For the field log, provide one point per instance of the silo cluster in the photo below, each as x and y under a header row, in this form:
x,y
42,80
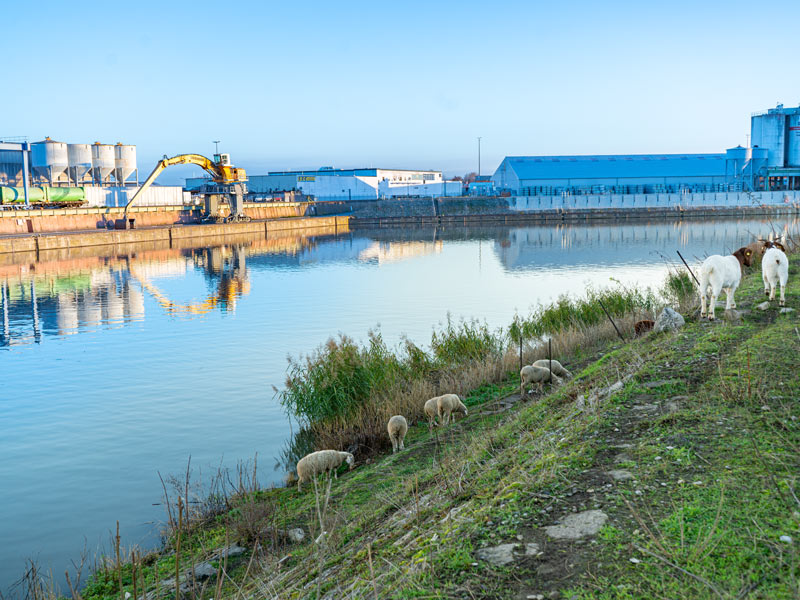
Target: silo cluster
x,y
778,130
57,163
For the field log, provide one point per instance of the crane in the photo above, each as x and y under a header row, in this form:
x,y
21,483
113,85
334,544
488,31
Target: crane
x,y
228,182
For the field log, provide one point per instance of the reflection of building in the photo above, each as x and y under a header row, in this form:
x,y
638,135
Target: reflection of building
x,y
534,248
52,304
389,252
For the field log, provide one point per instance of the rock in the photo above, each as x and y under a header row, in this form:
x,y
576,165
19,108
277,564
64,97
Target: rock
x,y
786,310
668,320
498,555
762,306
733,315
671,406
234,550
579,525
204,571
621,475
654,384
622,457
531,549
296,535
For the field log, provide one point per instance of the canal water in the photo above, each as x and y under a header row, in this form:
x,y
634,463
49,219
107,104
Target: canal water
x,y
117,366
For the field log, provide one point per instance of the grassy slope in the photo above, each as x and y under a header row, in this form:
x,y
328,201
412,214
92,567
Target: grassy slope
x,y
712,442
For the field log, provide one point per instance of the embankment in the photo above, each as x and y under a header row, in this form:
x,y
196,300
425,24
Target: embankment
x,y
172,235
667,468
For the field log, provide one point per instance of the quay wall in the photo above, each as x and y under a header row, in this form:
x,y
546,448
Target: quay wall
x,y
171,236
77,219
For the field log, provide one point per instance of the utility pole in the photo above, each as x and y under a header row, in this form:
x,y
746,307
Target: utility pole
x,y
479,156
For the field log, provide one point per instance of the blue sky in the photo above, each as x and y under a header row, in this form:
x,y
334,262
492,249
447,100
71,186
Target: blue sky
x,y
412,84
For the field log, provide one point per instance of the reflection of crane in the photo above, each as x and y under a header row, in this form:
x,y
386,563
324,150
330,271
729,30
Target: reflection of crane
x,y
232,284
228,183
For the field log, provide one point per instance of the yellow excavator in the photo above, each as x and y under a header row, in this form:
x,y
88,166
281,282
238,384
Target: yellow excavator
x,y
227,182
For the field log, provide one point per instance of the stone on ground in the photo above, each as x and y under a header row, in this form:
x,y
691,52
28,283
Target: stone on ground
x,y
763,306
786,310
668,320
498,555
578,525
621,475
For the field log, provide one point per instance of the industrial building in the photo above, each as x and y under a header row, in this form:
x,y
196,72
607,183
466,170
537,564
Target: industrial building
x,y
772,163
58,164
328,183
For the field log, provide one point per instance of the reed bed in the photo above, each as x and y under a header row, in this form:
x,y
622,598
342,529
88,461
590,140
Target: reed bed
x,y
343,394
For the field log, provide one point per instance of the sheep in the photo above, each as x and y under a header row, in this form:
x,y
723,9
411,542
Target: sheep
x,y
719,273
397,428
443,407
557,368
537,374
774,269
321,461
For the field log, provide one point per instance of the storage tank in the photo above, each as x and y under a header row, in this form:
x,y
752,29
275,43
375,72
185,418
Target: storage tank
x,y
80,161
793,140
49,159
769,131
102,162
124,162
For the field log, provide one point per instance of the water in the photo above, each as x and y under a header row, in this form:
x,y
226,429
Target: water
x,y
115,367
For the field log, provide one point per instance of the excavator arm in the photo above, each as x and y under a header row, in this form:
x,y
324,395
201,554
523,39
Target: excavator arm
x,y
224,174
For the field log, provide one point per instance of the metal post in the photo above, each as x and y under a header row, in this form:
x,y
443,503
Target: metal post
x,y
25,175
479,156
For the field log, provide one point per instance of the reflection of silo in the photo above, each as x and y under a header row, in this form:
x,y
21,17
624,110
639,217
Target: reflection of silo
x,y
114,306
80,161
793,140
67,313
91,310
49,159
769,131
134,301
124,162
102,162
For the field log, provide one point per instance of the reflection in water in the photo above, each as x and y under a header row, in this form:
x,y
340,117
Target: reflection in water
x,y
67,296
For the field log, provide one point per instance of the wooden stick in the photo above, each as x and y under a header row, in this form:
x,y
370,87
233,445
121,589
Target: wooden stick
x,y
610,319
688,267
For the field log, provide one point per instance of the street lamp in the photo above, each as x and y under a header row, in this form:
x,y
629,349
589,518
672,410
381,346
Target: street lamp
x,y
216,146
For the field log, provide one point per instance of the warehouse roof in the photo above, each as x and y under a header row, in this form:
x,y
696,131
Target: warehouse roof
x,y
615,165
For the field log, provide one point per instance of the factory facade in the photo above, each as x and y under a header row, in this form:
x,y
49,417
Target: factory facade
x,y
348,184
772,163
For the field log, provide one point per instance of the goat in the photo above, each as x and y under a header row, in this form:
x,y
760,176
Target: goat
x,y
775,269
719,273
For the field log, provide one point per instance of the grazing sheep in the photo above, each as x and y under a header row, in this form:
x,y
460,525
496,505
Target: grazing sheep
x,y
719,273
321,461
643,326
447,405
536,374
557,368
431,408
397,428
443,407
774,270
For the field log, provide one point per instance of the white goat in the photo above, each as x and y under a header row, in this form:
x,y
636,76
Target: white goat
x,y
719,273
775,269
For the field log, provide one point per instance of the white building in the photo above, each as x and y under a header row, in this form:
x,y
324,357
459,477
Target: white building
x,y
328,183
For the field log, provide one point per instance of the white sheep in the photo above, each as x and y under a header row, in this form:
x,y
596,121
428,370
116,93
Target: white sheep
x,y
557,368
719,273
397,428
537,374
321,461
774,270
443,407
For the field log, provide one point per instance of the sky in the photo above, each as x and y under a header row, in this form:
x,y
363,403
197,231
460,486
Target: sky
x,y
289,85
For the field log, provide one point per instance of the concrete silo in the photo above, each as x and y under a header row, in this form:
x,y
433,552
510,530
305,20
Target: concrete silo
x,y
49,160
80,161
768,131
124,162
793,140
102,162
